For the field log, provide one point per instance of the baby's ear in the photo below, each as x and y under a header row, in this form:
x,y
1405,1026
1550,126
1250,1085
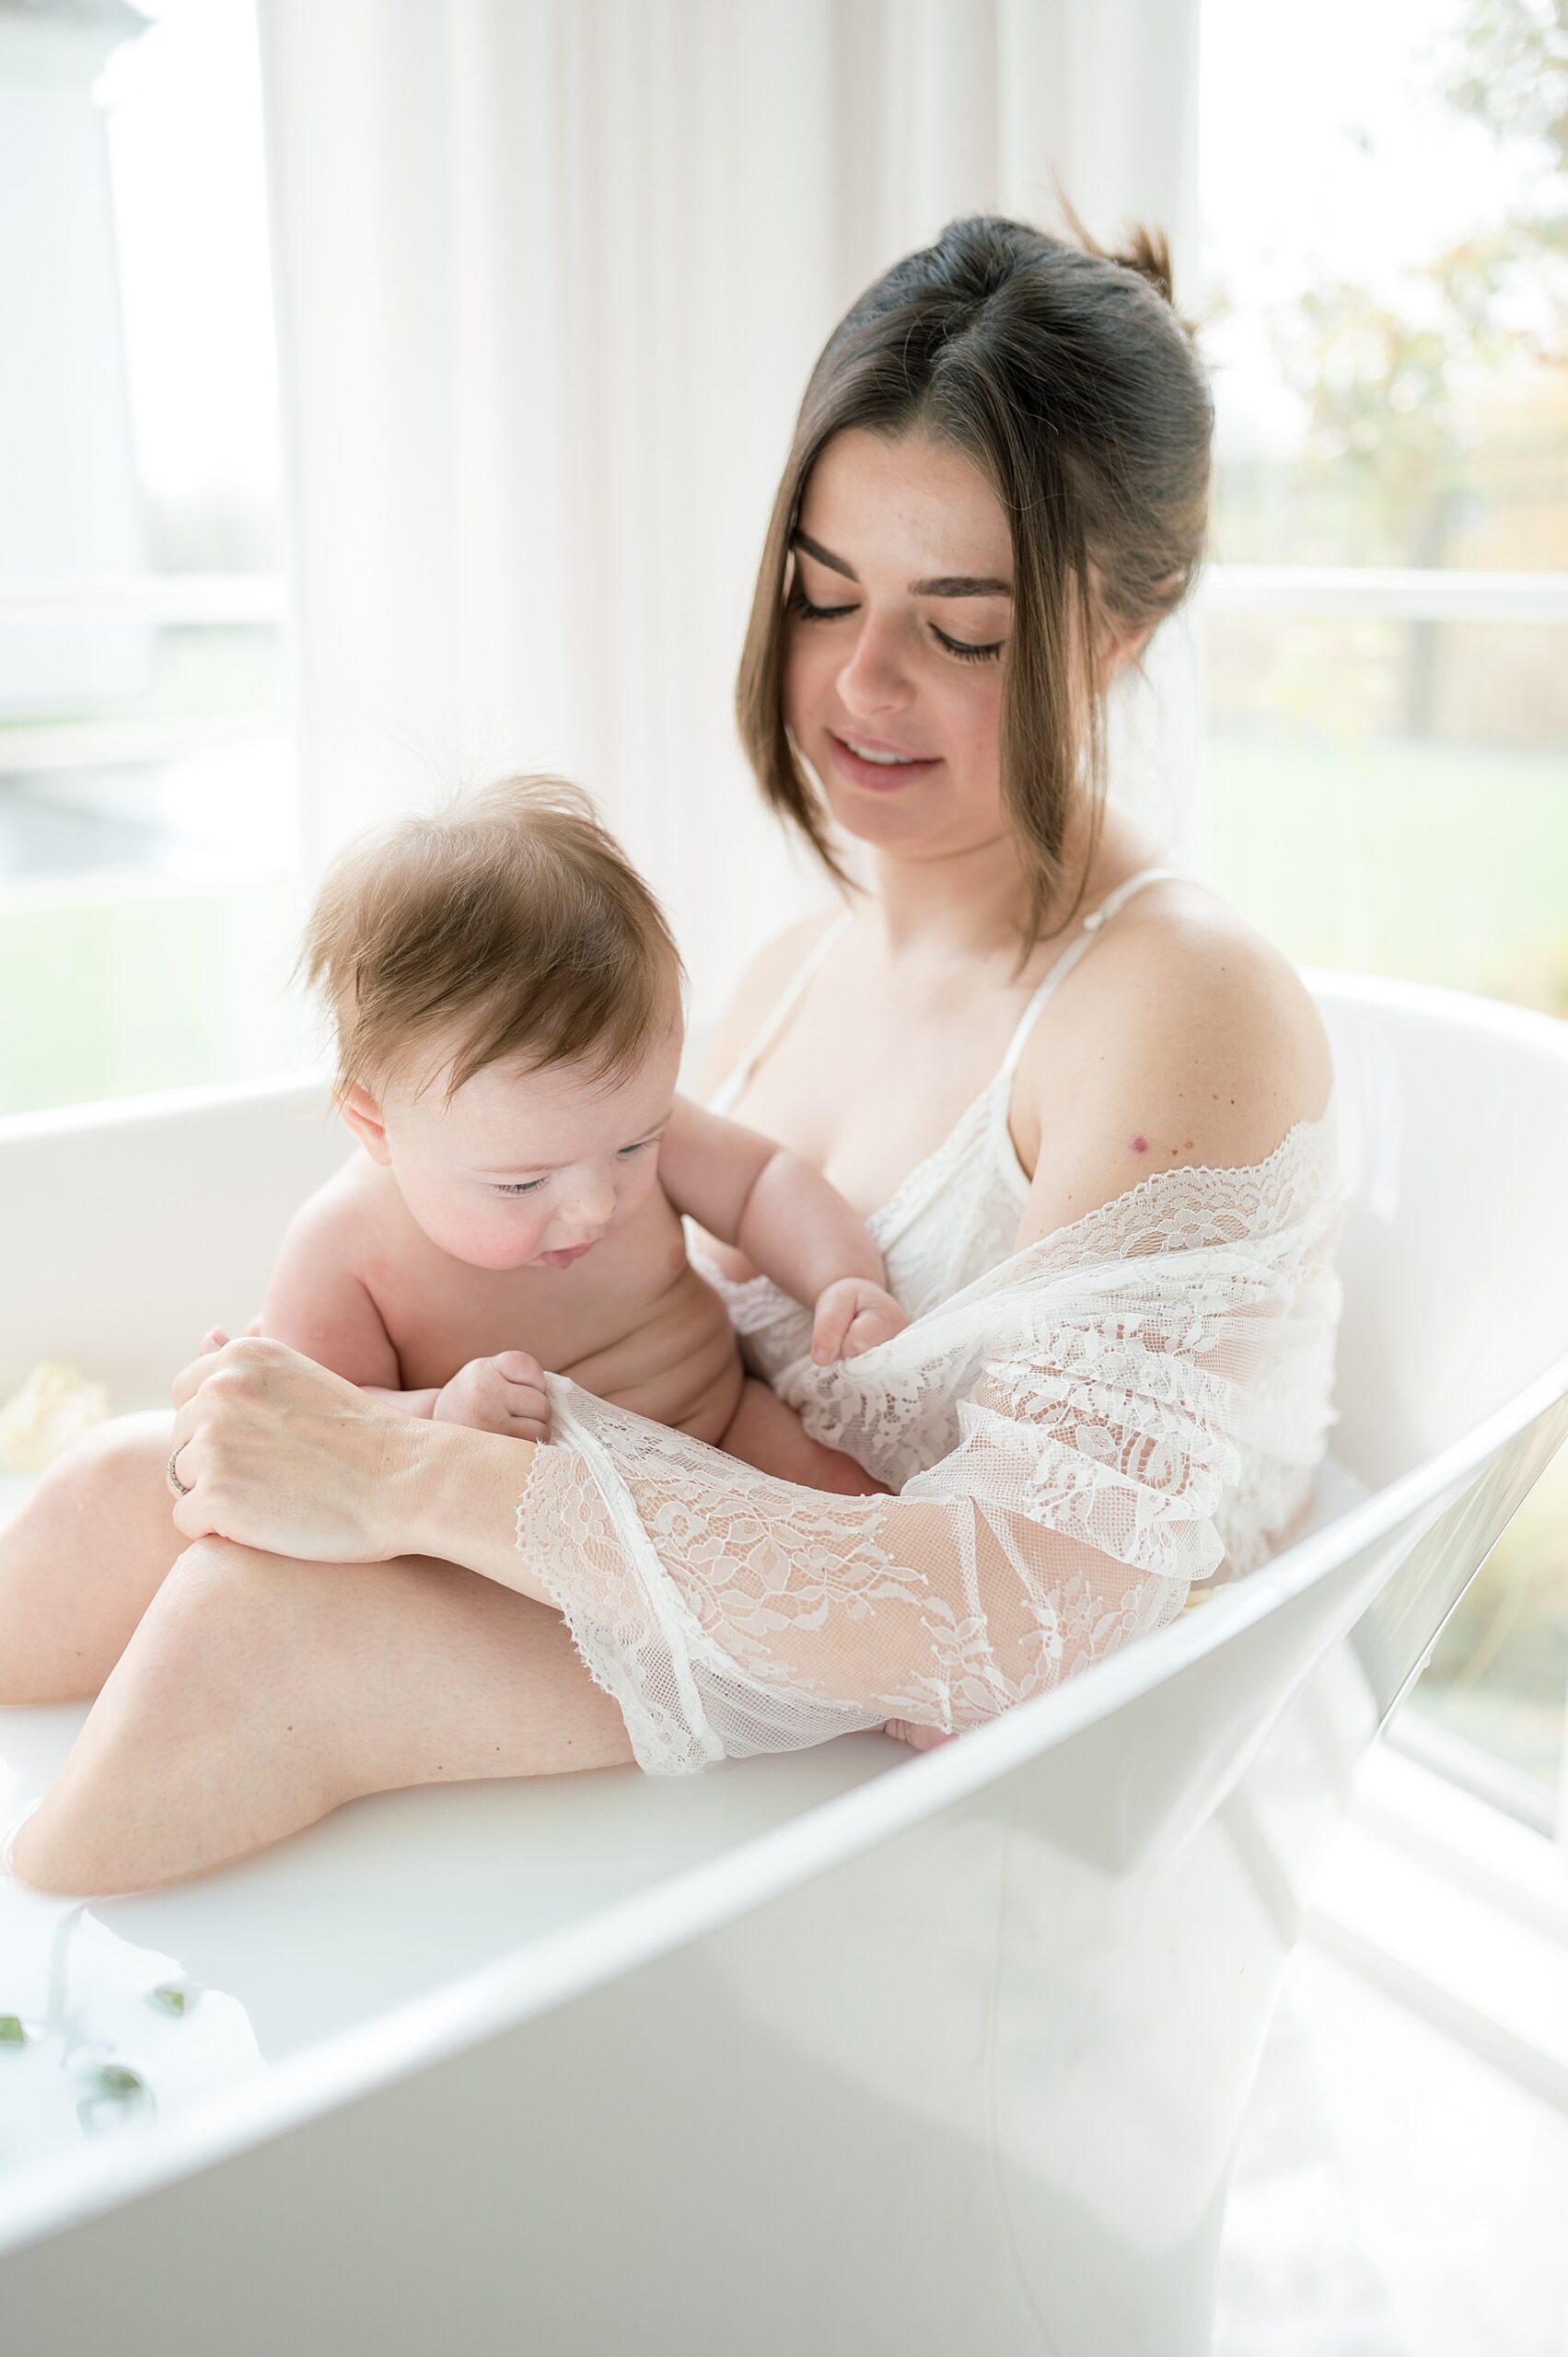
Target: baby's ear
x,y
362,1115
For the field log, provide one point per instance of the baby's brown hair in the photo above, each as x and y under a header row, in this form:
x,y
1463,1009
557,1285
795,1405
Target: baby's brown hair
x,y
511,922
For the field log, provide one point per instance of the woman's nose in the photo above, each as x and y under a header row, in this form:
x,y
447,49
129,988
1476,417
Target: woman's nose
x,y
873,681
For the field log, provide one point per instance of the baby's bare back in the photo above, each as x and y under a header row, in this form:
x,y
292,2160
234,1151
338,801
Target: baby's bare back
x,y
630,1321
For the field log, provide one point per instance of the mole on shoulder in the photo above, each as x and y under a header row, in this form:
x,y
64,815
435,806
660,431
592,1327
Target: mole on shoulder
x,y
1138,1144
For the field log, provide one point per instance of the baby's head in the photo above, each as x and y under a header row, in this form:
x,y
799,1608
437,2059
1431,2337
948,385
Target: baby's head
x,y
507,1000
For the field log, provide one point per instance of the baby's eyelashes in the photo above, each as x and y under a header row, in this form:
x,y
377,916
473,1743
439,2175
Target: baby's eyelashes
x,y
531,1185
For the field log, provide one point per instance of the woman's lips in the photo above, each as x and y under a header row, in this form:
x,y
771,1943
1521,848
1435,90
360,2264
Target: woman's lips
x,y
879,777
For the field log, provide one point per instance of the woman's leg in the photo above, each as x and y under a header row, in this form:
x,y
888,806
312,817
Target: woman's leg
x,y
766,1435
258,1693
83,1560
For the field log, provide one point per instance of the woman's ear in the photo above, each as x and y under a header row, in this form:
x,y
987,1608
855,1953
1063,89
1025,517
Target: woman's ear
x,y
1120,647
362,1115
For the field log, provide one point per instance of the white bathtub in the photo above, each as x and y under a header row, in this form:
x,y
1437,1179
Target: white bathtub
x,y
843,2053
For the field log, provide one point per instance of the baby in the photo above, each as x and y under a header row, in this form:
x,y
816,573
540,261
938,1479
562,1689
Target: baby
x,y
507,1003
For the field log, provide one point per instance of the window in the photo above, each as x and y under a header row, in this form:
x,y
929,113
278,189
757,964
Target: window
x,y
1387,268
148,810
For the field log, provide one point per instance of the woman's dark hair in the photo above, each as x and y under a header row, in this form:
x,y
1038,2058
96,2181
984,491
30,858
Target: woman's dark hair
x,y
1064,373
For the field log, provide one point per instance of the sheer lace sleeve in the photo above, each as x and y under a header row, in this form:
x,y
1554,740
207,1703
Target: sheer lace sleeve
x,y
1132,1405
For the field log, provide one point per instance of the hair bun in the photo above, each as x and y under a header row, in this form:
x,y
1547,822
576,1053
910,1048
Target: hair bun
x,y
1148,253
1144,250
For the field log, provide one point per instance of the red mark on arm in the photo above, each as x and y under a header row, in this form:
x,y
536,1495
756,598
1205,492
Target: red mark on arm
x,y
1138,1144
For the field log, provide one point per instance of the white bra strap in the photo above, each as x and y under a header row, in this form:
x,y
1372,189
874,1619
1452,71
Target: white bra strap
x,y
741,1072
1075,949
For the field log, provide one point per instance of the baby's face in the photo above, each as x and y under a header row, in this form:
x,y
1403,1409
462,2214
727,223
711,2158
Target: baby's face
x,y
528,1168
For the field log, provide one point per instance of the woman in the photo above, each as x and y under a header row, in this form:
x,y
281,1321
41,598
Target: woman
x,y
1110,1207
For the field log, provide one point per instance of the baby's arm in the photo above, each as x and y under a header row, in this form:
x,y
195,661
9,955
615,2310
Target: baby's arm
x,y
318,1304
787,1220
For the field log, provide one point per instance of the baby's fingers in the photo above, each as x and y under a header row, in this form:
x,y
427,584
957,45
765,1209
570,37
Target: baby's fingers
x,y
523,1395
877,1322
835,1313
528,1411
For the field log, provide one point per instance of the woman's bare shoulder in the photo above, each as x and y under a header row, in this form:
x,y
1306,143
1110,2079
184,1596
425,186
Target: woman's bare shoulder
x,y
762,985
1185,1039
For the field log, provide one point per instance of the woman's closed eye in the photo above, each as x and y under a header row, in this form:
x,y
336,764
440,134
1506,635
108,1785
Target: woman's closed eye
x,y
966,650
801,605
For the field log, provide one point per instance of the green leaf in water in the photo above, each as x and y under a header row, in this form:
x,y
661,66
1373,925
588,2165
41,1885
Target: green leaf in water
x,y
115,2080
11,2030
172,2000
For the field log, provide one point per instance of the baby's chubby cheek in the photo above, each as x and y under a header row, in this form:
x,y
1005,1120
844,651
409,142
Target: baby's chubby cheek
x,y
485,1235
495,1244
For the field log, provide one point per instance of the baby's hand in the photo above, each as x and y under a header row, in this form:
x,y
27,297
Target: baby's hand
x,y
504,1394
853,1314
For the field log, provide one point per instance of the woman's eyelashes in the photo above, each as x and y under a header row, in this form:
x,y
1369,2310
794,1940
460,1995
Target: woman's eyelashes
x,y
964,649
801,605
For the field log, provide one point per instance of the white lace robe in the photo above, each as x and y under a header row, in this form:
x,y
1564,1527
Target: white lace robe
x,y
1129,1406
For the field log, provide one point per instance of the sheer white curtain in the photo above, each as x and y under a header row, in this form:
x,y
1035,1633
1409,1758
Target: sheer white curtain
x,y
550,276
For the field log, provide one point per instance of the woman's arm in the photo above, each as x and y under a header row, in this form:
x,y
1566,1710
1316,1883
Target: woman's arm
x,y
280,1454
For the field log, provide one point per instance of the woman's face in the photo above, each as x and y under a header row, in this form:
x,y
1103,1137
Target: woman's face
x,y
898,614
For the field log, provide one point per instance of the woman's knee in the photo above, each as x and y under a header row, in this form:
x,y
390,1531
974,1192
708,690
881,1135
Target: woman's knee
x,y
218,1616
217,1645
229,1653
81,1558
112,1471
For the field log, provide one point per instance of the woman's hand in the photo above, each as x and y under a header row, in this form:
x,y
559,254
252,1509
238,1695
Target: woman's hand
x,y
503,1394
853,1314
273,1451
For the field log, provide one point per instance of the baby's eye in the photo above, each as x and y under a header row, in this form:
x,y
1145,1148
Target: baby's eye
x,y
641,1147
519,1186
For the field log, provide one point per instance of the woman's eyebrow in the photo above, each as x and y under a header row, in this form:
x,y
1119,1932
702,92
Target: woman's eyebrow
x,y
961,584
945,585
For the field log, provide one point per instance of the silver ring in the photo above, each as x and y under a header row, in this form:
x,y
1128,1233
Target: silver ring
x,y
181,1489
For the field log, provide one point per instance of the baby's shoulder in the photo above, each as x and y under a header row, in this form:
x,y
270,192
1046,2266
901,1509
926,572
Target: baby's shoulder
x,y
344,1222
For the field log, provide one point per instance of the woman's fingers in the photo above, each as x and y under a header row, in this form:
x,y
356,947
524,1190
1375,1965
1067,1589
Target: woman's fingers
x,y
283,1454
190,1379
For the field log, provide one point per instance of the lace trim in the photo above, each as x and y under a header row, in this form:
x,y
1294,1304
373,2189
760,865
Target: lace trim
x,y
1120,1411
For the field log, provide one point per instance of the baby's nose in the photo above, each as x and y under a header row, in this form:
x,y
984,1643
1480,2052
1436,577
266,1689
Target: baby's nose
x,y
592,1202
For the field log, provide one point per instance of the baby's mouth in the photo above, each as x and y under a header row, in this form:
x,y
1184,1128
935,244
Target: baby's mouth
x,y
568,1253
